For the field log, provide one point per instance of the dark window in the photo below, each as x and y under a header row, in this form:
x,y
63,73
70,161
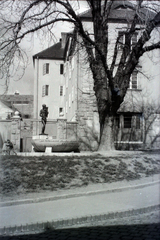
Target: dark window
x,y
134,80
8,116
61,112
45,68
45,90
61,68
61,90
127,121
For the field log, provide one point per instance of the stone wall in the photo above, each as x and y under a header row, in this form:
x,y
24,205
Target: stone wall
x,y
61,129
5,131
15,133
10,129
88,123
71,130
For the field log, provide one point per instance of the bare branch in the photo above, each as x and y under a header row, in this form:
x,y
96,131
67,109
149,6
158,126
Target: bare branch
x,y
151,47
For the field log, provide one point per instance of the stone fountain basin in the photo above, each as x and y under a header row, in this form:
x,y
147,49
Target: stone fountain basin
x,y
65,145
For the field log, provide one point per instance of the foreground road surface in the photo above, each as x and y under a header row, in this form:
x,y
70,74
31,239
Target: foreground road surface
x,y
94,204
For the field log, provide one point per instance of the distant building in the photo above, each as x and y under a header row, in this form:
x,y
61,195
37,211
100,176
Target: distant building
x,y
49,81
6,110
20,134
21,103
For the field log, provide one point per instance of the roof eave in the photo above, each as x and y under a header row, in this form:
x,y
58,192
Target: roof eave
x,y
48,58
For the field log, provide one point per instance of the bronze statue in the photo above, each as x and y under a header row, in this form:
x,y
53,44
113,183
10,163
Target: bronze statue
x,y
43,114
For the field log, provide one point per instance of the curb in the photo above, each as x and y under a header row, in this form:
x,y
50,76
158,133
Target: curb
x,y
38,227
80,154
74,195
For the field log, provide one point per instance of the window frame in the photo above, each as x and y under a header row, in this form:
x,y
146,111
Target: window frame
x,y
61,91
61,68
127,125
134,82
122,42
45,90
45,68
134,122
61,111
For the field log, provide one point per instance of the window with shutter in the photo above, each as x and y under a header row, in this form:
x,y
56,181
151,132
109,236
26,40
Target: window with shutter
x,y
45,90
134,81
45,68
61,90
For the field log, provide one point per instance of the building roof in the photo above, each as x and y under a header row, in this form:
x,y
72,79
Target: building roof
x,y
54,52
8,104
21,103
130,107
122,11
23,109
13,98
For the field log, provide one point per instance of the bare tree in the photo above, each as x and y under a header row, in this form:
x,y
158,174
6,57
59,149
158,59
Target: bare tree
x,y
151,130
145,121
111,80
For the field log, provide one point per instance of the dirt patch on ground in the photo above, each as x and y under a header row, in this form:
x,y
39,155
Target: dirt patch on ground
x,y
23,175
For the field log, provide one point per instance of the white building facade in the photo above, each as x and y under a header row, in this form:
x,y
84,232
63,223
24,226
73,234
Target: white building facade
x,y
49,84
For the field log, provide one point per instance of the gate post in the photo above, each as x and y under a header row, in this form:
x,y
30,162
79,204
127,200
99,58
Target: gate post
x,y
15,131
61,128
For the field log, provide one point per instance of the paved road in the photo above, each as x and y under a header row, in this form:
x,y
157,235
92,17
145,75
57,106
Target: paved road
x,y
80,206
126,228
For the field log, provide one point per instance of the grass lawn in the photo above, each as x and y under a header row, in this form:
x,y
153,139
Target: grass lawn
x,y
21,175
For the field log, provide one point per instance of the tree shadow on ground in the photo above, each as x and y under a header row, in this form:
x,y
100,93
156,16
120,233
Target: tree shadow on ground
x,y
119,232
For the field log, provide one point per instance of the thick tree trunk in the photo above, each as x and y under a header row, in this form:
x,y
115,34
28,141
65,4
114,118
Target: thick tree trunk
x,y
107,135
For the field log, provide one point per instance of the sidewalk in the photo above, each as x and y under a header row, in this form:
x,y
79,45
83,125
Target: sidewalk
x,y
80,203
91,189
